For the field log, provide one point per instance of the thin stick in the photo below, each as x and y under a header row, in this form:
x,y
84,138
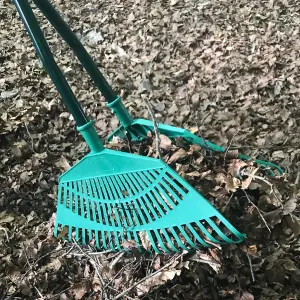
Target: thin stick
x,y
111,288
200,133
231,196
40,294
115,276
149,276
297,180
89,253
258,210
32,142
129,141
92,259
56,250
30,266
57,295
250,264
227,149
96,265
114,262
271,192
69,251
212,243
207,262
155,125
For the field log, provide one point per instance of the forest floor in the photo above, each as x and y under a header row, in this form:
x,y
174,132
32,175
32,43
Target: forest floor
x,y
227,71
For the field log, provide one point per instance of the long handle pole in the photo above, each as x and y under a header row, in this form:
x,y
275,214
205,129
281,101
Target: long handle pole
x,y
71,39
83,124
48,61
114,101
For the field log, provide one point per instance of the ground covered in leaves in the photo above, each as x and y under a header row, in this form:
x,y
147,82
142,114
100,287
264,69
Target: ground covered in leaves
x,y
226,70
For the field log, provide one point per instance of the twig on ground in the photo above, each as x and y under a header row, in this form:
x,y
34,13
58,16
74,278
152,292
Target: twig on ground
x,y
69,251
207,262
114,262
250,264
227,149
258,210
30,265
97,266
89,253
155,125
128,141
111,288
231,196
34,263
56,296
149,276
237,273
200,134
271,192
31,138
38,291
212,243
116,275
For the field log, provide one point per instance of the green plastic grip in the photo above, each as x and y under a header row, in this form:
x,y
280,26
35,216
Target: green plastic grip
x,y
91,137
119,109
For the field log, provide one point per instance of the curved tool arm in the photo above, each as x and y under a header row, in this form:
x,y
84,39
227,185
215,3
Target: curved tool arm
x,y
71,39
44,52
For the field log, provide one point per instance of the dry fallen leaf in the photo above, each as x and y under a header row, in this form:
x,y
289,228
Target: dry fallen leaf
x,y
194,174
6,218
193,130
195,147
78,290
247,296
165,142
273,217
206,259
236,166
63,233
24,177
156,264
54,265
145,239
87,270
63,164
155,280
248,180
96,284
178,155
231,183
252,250
290,206
129,244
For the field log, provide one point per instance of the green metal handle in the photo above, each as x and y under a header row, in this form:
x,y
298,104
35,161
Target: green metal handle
x,y
71,39
83,124
44,52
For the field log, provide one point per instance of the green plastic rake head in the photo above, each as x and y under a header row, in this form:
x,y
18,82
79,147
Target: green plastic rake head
x,y
110,197
129,128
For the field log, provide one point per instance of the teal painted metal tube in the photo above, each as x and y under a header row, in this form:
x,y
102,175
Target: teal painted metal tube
x,y
83,124
71,39
91,137
113,100
119,109
48,61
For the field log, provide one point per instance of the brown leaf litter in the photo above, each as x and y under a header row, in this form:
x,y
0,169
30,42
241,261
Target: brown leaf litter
x,y
229,73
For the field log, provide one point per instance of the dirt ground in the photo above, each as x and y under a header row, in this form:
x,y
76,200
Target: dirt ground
x,y
226,70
